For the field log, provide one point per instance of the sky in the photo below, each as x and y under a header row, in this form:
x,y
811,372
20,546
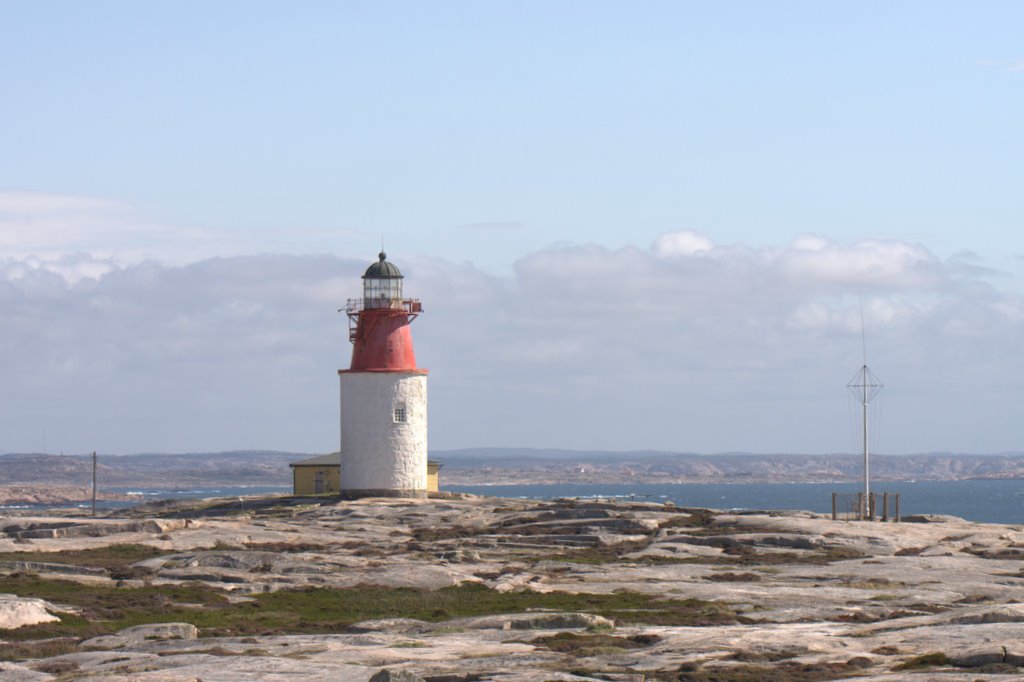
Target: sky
x,y
649,225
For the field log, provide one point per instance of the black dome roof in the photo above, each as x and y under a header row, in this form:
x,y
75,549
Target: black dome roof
x,y
383,269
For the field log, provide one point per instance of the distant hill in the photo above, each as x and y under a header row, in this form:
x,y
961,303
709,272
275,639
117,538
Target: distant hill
x,y
247,467
512,465
492,465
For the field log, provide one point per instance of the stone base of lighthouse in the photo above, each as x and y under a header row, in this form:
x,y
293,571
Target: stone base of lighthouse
x,y
383,433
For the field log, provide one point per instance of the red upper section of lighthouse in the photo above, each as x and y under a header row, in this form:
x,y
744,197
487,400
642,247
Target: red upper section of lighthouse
x,y
379,322
382,341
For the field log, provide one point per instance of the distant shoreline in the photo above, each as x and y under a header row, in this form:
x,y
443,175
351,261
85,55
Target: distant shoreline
x,y
728,481
476,480
35,494
52,479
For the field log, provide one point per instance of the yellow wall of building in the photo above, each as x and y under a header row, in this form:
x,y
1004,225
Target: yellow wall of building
x,y
305,477
433,476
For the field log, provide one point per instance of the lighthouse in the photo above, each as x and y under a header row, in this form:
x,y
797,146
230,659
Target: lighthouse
x,y
383,393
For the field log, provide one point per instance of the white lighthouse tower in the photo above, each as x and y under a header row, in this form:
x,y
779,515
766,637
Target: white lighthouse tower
x,y
383,393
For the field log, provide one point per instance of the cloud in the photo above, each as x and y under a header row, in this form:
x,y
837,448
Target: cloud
x,y
811,259
48,229
38,224
685,243
688,345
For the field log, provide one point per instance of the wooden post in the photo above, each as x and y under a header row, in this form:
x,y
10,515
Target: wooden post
x,y
897,507
834,515
871,507
885,507
94,483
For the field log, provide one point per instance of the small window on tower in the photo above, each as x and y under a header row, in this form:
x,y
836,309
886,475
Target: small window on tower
x,y
400,414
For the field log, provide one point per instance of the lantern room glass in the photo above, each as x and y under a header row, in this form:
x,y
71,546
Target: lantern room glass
x,y
382,292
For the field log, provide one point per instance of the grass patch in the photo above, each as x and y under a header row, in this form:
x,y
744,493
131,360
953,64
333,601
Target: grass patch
x,y
215,651
739,556
910,551
210,651
47,648
928,608
107,609
858,617
715,528
341,607
729,577
745,556
701,518
109,557
874,584
1006,553
785,671
931,660
442,532
287,547
593,645
768,655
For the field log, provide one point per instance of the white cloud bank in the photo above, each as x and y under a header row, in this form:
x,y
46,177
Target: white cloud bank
x,y
81,236
688,345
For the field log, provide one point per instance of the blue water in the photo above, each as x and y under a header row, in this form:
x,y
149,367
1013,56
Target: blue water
x,y
148,494
990,501
153,494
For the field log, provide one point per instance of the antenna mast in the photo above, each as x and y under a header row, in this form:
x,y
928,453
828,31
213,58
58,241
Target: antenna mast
x,y
865,385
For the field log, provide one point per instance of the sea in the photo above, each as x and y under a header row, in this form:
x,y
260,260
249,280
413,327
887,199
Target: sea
x,y
986,501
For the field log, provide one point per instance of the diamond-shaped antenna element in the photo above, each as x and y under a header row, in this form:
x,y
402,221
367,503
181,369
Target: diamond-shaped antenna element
x,y
865,385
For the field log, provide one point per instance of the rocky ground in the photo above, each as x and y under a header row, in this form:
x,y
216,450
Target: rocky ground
x,y
491,589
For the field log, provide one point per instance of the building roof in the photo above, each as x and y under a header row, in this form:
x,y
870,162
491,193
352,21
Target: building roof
x,y
383,269
322,460
333,458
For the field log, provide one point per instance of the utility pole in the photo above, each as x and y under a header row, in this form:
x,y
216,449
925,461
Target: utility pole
x,y
865,386
94,483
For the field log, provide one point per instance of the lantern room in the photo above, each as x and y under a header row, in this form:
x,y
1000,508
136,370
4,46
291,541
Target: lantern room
x,y
382,285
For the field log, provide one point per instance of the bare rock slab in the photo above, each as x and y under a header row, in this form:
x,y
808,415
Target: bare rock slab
x,y
537,621
975,657
141,633
16,612
392,625
13,672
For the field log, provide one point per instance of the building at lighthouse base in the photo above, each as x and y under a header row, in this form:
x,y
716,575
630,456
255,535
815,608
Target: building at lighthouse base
x,y
321,475
383,433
